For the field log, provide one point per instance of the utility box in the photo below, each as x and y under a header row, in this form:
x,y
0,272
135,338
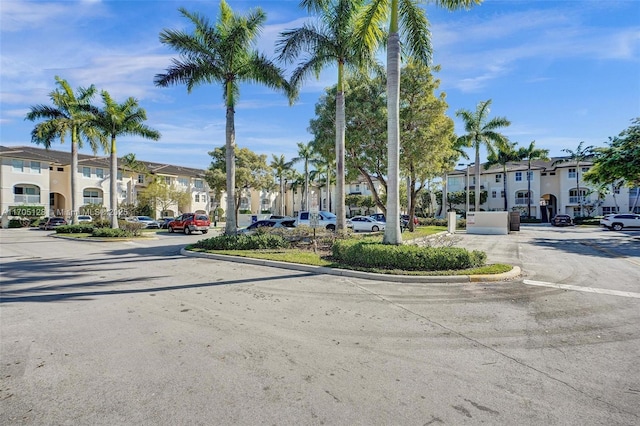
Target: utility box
x,y
452,220
514,221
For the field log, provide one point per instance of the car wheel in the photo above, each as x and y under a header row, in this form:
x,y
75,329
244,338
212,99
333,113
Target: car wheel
x,y
205,231
331,227
374,228
617,226
170,228
187,231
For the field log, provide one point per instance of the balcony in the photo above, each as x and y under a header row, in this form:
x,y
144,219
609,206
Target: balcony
x,y
522,201
26,199
92,201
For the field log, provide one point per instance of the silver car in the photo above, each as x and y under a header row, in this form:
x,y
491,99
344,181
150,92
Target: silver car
x,y
621,220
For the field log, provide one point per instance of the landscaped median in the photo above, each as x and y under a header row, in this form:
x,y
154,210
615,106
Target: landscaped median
x,y
347,255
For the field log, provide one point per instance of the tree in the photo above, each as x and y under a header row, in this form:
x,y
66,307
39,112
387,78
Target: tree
x,y
115,120
531,153
162,197
70,114
251,171
426,131
482,131
408,17
578,156
619,161
502,157
223,54
329,42
131,164
306,155
280,167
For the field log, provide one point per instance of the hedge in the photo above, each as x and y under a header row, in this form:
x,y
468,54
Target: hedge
x,y
110,233
74,229
243,242
368,254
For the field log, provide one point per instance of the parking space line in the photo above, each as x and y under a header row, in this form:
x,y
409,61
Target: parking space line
x,y
585,289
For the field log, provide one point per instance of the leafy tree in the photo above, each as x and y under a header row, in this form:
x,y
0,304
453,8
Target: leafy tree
x,y
115,120
330,41
581,154
482,131
280,167
531,153
132,167
306,155
503,156
426,131
222,53
71,115
407,17
619,161
251,171
162,197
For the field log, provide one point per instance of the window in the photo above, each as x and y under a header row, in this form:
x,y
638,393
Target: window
x,y
197,198
498,179
530,176
35,167
473,181
584,169
183,181
552,173
616,190
521,198
494,194
86,172
572,173
100,173
518,176
543,174
92,196
244,203
502,194
119,174
609,210
18,165
167,180
26,194
357,187
198,183
577,195
60,169
204,198
140,178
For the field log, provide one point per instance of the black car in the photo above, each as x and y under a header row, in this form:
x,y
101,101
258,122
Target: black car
x,y
54,222
164,222
562,220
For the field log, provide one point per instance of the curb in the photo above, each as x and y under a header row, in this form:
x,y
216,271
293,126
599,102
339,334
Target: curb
x,y
320,270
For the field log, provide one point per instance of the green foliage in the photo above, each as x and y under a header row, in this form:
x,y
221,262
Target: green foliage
x,y
260,241
405,257
110,233
132,229
101,223
431,221
75,229
160,196
19,223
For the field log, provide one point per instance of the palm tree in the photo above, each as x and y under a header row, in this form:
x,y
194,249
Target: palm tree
x,y
70,114
482,131
579,155
131,164
115,120
531,153
280,166
408,17
307,155
502,157
222,53
329,42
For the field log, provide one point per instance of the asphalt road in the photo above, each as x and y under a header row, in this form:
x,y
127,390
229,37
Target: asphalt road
x,y
126,333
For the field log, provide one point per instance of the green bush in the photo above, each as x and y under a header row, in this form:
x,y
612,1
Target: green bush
x,y
101,223
110,233
133,229
19,223
75,229
243,242
431,221
405,257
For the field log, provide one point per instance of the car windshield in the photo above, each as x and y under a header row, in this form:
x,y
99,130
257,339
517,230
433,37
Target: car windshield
x,y
329,215
144,218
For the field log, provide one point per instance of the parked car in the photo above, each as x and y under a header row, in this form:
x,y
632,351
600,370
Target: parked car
x,y
561,220
378,217
405,220
146,221
54,222
326,220
268,223
164,222
84,218
43,222
190,222
619,221
365,224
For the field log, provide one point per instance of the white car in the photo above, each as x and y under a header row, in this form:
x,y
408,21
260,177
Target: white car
x,y
146,221
365,224
84,218
621,220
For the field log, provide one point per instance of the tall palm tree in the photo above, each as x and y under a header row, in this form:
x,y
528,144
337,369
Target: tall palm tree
x,y
70,114
115,120
482,131
222,53
307,155
457,152
408,17
296,180
531,153
579,155
280,166
131,164
503,156
331,41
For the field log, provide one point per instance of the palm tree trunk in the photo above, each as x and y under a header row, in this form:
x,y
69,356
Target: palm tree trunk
x,y
476,187
230,225
392,233
74,176
340,135
113,185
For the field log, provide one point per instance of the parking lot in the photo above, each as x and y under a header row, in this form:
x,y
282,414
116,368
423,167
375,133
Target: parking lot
x,y
134,333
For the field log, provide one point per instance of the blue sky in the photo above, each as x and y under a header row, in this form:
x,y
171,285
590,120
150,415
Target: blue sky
x,y
561,71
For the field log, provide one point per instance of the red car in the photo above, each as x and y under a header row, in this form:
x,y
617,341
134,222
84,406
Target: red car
x,y
190,222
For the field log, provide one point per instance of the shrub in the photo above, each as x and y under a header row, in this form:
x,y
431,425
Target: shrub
x,y
133,229
101,223
19,223
75,229
410,258
243,242
431,221
110,233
